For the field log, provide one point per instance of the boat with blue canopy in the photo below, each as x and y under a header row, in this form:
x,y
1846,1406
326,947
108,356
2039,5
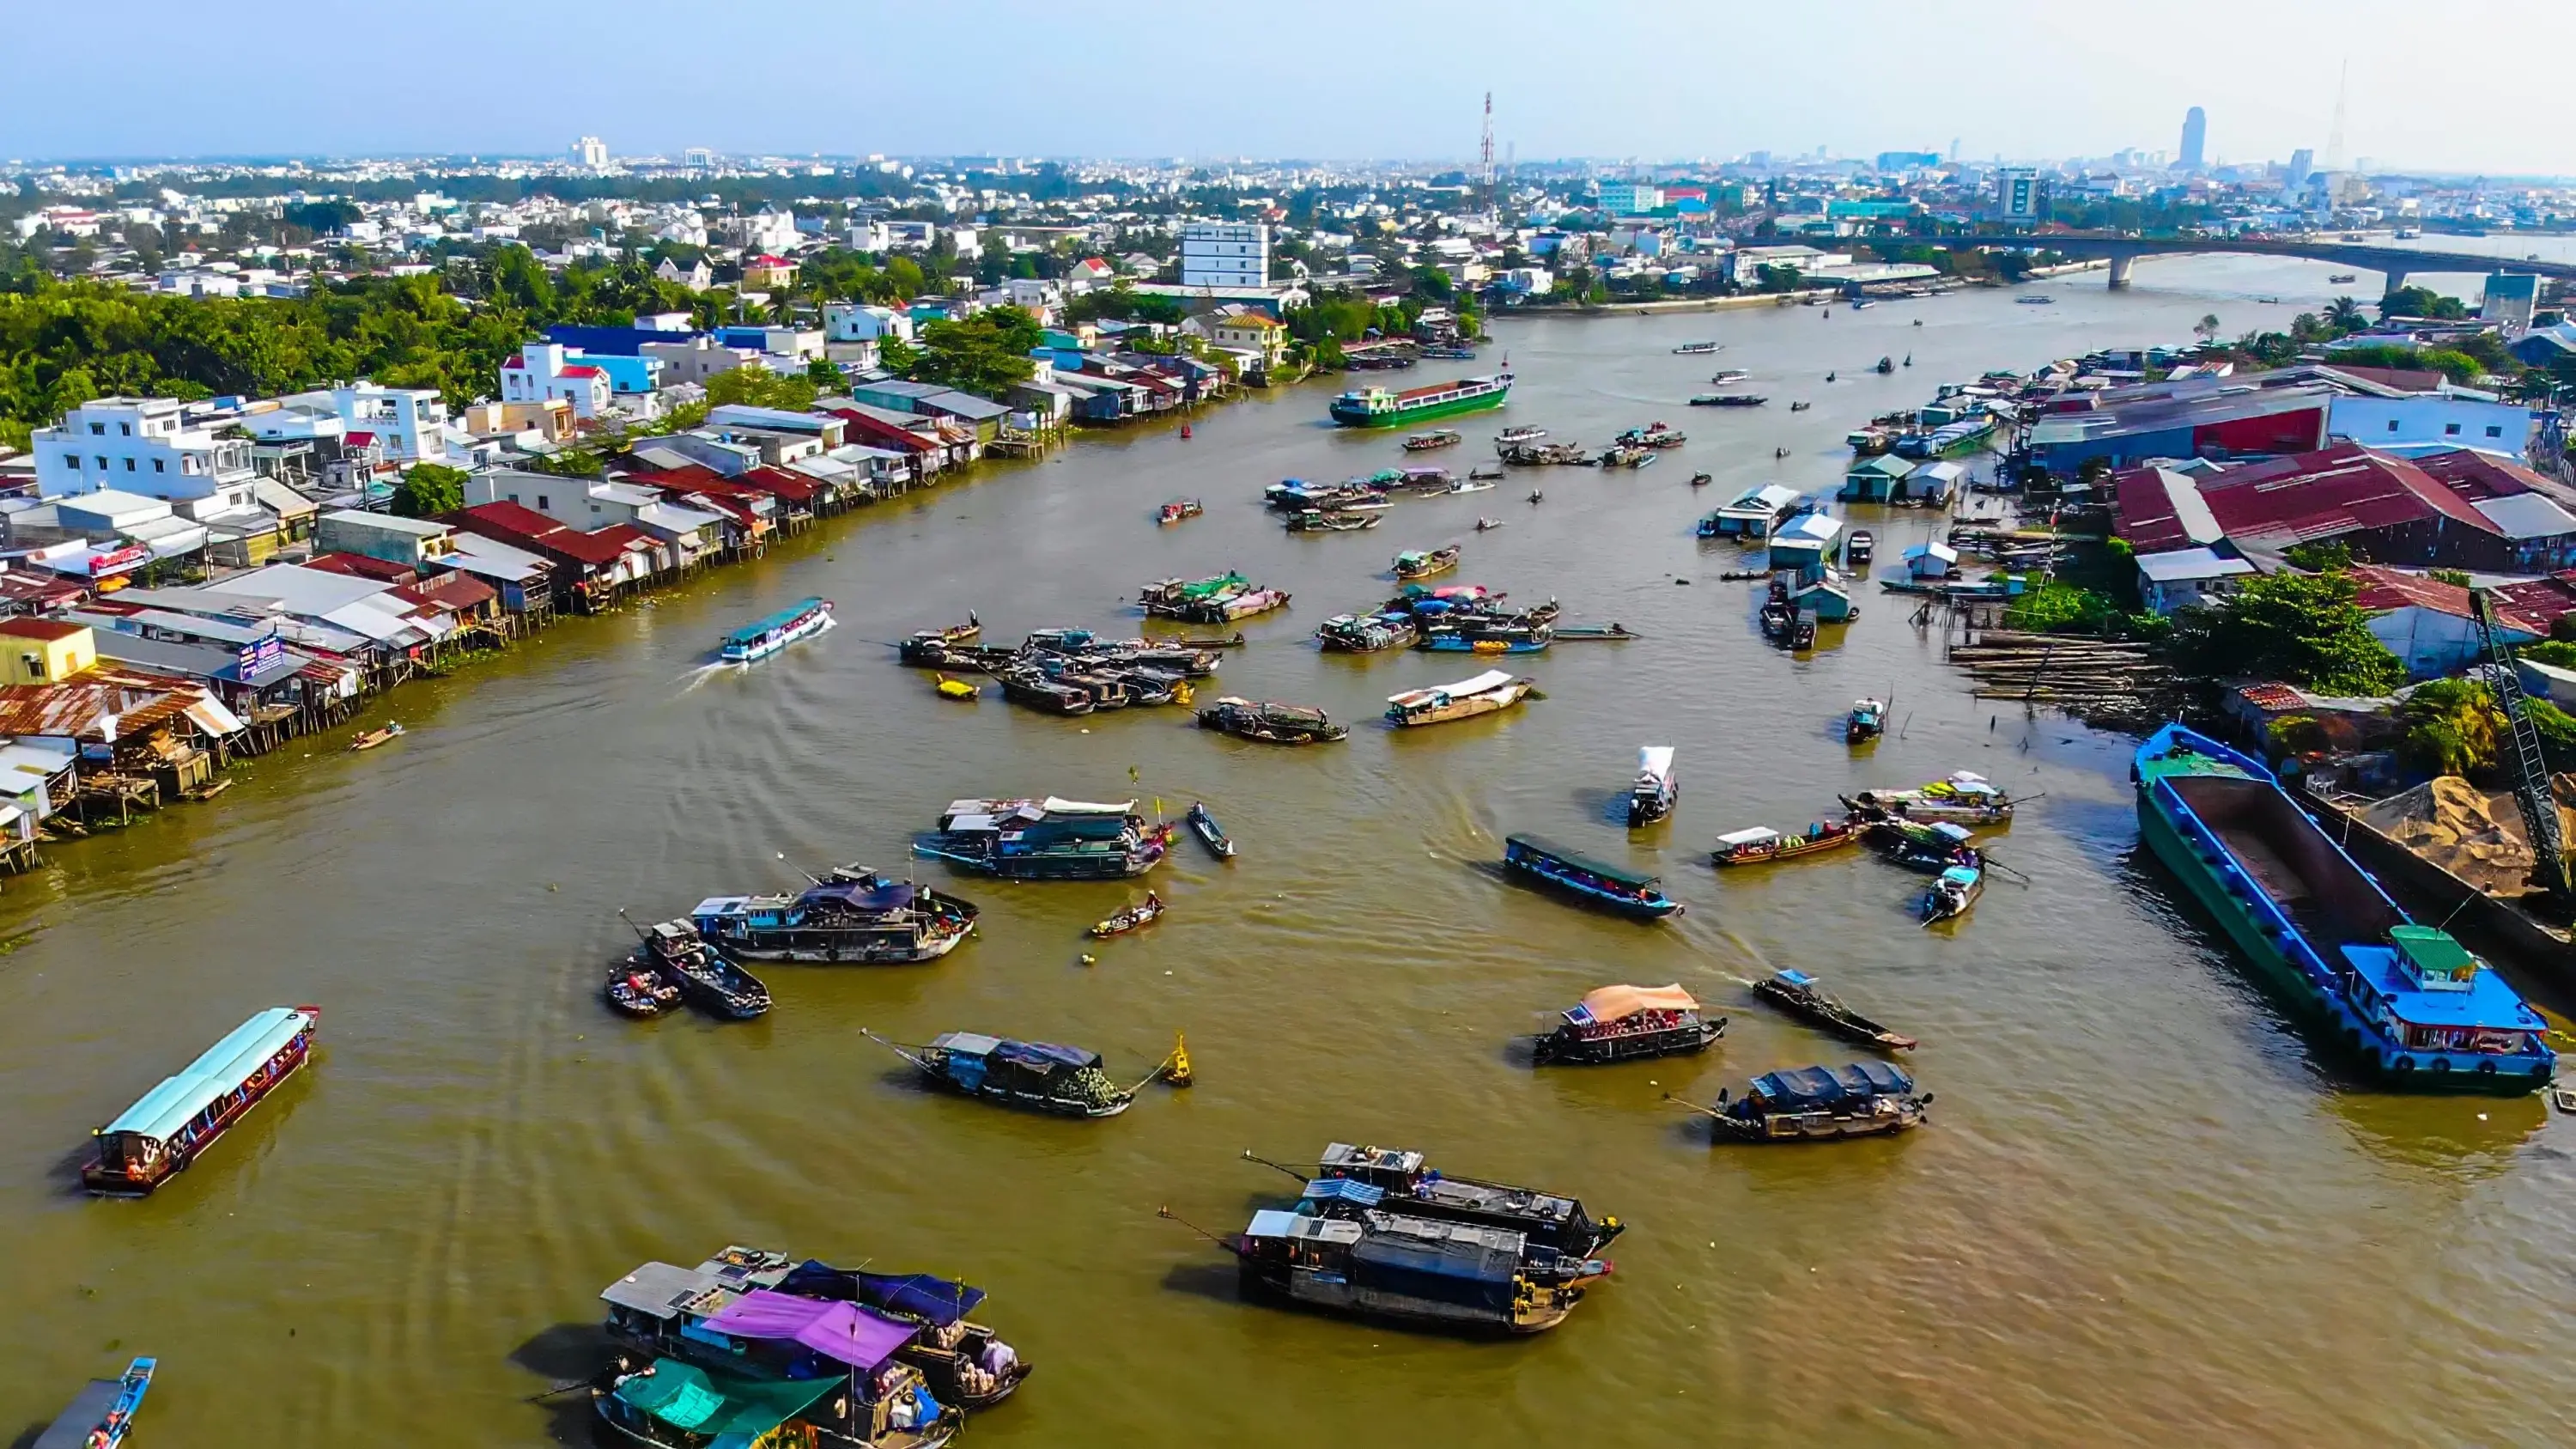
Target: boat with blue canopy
x,y
764,637
1809,1104
1594,882
170,1126
1953,891
103,1413
1037,1076
853,915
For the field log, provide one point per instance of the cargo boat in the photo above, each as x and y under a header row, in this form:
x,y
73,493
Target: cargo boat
x,y
1048,839
103,1414
1411,1270
854,916
1415,1188
1378,407
1625,1024
764,637
1812,1104
2409,1000
171,1126
1487,693
1036,1076
1594,882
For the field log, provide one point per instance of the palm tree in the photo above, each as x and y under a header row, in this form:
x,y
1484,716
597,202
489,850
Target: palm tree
x,y
2346,315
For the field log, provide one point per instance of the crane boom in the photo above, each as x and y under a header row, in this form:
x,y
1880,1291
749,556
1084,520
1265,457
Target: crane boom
x,y
2531,790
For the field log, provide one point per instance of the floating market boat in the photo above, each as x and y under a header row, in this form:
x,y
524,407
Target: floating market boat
x,y
1143,913
1050,839
1487,693
1760,844
170,1127
640,990
1367,633
1230,607
764,637
2036,301
1178,509
1295,495
711,983
1657,434
1033,690
1594,882
1966,797
674,1404
1857,547
965,1363
1271,723
1449,354
1336,520
931,649
1728,400
102,1414
1626,1023
1729,376
1811,1104
1414,1187
1697,349
1415,563
1437,438
1035,1076
369,739
1168,598
1409,1270
1867,721
853,916
1486,637
1651,798
1509,436
1952,892
1210,834
1797,993
1612,632
1928,846
2408,999
1379,407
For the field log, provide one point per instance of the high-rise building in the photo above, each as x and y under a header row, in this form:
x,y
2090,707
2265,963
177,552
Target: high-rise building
x,y
1225,254
2195,137
2019,194
2303,164
590,151
699,156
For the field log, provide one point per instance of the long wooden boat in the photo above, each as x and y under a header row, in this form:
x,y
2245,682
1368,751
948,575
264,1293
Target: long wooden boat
x,y
1652,797
1436,438
1168,598
1760,844
710,983
1421,1272
850,916
1549,1219
1485,694
1049,839
171,1126
763,637
369,739
103,1413
1415,563
1816,1104
1210,834
1594,882
2406,999
1628,1023
1035,1076
1179,509
1484,636
1272,723
1797,993
1336,520
1965,797
1136,917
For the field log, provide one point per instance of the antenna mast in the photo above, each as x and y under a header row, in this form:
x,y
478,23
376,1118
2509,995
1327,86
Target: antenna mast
x,y
2334,138
1485,154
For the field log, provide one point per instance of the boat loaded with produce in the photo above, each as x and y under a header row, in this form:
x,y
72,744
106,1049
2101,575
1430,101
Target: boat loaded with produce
x,y
1760,844
853,915
1049,839
1065,1081
1813,1104
706,979
1271,722
1627,1023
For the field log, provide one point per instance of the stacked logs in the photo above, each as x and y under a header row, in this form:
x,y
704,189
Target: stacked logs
x,y
2096,679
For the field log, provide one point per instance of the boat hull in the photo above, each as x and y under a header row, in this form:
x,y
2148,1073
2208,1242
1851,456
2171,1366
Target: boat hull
x,y
1653,908
1818,1126
1565,1047
1350,415
1326,1292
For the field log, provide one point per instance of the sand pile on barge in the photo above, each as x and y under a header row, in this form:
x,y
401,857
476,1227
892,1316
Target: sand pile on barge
x,y
2466,831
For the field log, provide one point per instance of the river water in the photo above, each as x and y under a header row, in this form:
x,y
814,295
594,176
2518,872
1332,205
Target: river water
x,y
2142,1216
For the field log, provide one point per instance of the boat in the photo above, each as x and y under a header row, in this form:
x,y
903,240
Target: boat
x,y
764,637
1657,434
1928,846
1449,354
1379,407
1697,349
1165,598
1810,1104
1760,844
1886,365
1795,407
1143,913
1728,400
1652,797
1210,834
1729,376
1178,509
1752,514
1510,436
1485,636
2406,999
1035,1076
1613,631
1231,607
170,1127
1337,520
928,649
1952,892
1049,839
1035,691
1797,993
674,1404
711,983
1867,721
1275,724
1367,633
1437,438
1857,547
2339,278
851,916
2036,300
1234,640
1488,525
1627,1023
1472,484
1295,495
1966,797
102,1414
1594,882
964,1362
640,990
1701,480
369,739
1967,435
1415,1188
1415,563
1410,1270
1486,693
956,689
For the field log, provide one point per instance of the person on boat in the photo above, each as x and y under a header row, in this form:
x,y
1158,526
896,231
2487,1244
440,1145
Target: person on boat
x,y
1153,902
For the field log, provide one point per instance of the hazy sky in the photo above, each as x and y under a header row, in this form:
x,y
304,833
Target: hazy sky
x,y
2432,85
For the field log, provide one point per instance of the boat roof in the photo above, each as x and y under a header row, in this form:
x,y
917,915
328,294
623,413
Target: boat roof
x,y
966,1043
1750,835
1618,1003
2488,1002
780,620
1960,875
665,1291
842,1332
919,1295
1490,679
720,1406
1564,856
1802,1087
1655,760
1032,1053
1344,1189
1274,1223
1770,497
1818,528
1793,977
219,1069
1437,1246
1394,1159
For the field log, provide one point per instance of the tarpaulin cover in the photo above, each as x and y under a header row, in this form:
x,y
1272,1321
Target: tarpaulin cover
x,y
697,1402
915,1295
1043,1055
893,895
1345,1189
844,1332
1618,1003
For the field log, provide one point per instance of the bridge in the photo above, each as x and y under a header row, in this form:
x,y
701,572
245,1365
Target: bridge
x,y
2395,263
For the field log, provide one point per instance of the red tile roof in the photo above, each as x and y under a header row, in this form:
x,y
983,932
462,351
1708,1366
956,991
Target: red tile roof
x,y
460,593
792,486
2478,476
358,565
522,526
2540,600
2383,589
578,369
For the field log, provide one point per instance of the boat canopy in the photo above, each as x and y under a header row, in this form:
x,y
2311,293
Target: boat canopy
x,y
1344,1189
1618,1003
218,1071
1045,1056
1768,498
1791,976
1959,875
694,1401
1804,1088
1489,680
1655,761
1951,831
885,896
755,631
1450,1262
843,1332
1274,1223
1750,835
2488,1004
915,1295
1620,874
1122,809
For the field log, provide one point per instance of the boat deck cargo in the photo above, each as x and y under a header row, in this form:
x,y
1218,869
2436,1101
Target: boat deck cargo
x,y
1626,1023
764,637
172,1125
1272,723
1595,882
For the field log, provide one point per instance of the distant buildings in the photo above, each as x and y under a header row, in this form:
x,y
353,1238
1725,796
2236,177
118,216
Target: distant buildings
x,y
590,151
140,446
2195,138
1630,198
1225,254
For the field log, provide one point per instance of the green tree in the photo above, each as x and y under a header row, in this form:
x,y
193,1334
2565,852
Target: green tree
x,y
429,489
2345,315
760,388
2450,727
2301,629
2206,329
984,354
2420,302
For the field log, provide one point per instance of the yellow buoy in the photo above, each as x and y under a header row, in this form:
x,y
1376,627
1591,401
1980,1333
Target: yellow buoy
x,y
1176,1071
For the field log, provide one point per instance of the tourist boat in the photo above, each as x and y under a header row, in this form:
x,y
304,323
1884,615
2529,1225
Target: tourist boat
x,y
1867,721
1487,693
1143,913
1857,547
1275,724
1035,1076
1415,563
1626,1023
851,916
102,1414
1797,993
1210,834
1338,520
640,990
2424,1013
171,1126
1378,407
1928,846
764,637
1414,1188
1169,598
1367,633
1410,1270
1696,349
1178,509
711,983
1050,839
1728,400
1479,636
1809,1104
1651,798
1437,438
1594,882
674,1404
1760,844
948,687
369,739
1965,797
1952,892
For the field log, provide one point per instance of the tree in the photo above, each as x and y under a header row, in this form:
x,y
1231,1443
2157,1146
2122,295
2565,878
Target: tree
x,y
984,354
2420,302
2450,727
428,490
2345,315
2206,329
760,388
2300,629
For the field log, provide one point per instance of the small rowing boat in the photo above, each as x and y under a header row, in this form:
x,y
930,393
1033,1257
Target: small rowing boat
x,y
1953,891
710,982
1178,509
369,739
1210,834
1135,917
1760,844
640,990
1416,563
1797,993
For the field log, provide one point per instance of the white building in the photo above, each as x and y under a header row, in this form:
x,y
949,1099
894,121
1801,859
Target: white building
x,y
410,422
864,322
2431,422
141,446
1225,254
590,151
543,371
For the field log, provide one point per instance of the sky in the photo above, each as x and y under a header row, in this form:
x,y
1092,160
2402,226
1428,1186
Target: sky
x,y
2431,86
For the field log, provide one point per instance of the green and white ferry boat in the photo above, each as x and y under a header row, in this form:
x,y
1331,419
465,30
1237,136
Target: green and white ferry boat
x,y
1383,407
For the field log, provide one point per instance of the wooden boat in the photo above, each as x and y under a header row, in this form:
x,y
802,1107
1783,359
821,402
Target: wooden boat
x,y
1143,913
1417,1271
1651,798
1049,839
670,1403
1414,1187
1472,485
369,739
1700,480
1795,407
965,1363
1953,891
957,689
1488,525
1337,520
1594,882
1212,835
1729,376
1509,436
1169,598
1867,721
764,637
851,915
1034,1076
1929,846
1487,693
1760,844
1367,633
1614,632
1813,1104
1966,797
927,650
1028,688
640,990
1797,993
1857,547
1416,563
1627,1023
1886,365
170,1127
1485,473
1178,509
710,983
1729,400
1697,349
1486,636
1231,641
1270,723
1436,438
102,1414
